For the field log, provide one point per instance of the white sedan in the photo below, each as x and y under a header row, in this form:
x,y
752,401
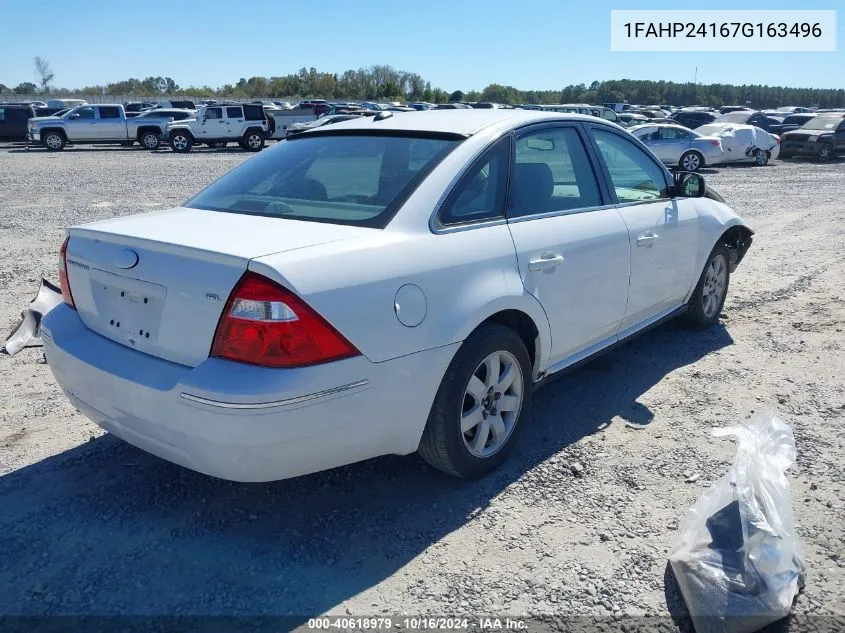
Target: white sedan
x,y
383,285
743,143
677,145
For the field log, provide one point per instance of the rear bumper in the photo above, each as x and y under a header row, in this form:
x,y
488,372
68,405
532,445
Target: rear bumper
x,y
242,422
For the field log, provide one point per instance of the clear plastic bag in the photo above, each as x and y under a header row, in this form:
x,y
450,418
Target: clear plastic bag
x,y
737,560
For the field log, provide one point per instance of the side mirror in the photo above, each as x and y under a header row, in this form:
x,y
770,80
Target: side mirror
x,y
73,116
689,185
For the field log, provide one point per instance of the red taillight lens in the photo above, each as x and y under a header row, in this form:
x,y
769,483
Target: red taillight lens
x,y
63,280
716,142
266,324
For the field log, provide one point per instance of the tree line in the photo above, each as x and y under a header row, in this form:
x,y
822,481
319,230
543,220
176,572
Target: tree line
x,y
383,82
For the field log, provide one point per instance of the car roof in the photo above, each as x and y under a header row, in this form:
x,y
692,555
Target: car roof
x,y
462,122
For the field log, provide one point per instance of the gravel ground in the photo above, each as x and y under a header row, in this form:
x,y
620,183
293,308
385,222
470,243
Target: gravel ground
x,y
578,522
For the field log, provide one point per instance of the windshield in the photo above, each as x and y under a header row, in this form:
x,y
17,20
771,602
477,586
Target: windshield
x,y
822,123
341,178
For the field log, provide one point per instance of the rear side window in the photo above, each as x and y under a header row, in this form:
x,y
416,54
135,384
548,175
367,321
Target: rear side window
x,y
634,175
109,113
85,113
179,116
355,179
552,173
480,195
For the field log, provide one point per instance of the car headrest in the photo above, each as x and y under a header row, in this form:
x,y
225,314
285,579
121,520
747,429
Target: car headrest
x,y
534,185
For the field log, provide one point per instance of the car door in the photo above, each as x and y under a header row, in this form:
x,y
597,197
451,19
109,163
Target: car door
x,y
571,243
234,121
81,125
110,125
839,138
663,232
213,125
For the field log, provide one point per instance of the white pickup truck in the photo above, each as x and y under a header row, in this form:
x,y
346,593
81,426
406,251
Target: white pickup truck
x,y
101,123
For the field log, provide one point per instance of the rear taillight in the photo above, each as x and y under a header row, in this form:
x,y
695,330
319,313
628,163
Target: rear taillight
x,y
266,324
63,280
716,142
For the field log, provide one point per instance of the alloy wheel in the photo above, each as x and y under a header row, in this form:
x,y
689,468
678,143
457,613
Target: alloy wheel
x,y
180,142
254,141
715,283
691,162
54,141
491,405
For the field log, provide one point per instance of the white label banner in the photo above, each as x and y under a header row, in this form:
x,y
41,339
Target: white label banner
x,y
722,30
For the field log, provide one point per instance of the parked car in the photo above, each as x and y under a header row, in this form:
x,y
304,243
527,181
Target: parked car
x,y
218,125
629,119
789,123
137,106
453,106
747,117
284,119
177,104
13,118
743,143
732,108
61,104
677,145
692,119
822,138
149,126
381,286
96,123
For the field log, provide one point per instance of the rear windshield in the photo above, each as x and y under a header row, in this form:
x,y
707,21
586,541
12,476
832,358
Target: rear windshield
x,y
360,180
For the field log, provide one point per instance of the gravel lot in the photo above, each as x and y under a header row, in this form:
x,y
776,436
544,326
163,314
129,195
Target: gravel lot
x,y
578,522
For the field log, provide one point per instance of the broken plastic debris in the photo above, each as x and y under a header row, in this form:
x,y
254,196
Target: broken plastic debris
x,y
737,559
28,330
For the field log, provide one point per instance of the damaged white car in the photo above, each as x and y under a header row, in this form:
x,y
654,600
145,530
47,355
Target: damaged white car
x,y
380,286
743,143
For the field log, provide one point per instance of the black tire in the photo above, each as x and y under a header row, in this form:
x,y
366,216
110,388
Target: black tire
x,y
444,444
825,153
695,160
181,142
761,158
253,140
700,313
150,140
54,141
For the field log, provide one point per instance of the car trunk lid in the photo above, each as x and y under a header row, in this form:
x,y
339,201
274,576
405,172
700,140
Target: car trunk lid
x,y
158,282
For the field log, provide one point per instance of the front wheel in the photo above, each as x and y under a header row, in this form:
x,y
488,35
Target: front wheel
x,y
707,301
481,401
180,142
54,141
825,153
691,161
253,141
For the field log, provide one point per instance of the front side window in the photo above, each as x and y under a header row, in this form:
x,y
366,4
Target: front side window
x,y
85,113
552,172
635,177
214,113
353,179
480,195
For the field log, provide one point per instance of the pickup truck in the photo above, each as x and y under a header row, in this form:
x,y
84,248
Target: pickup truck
x,y
101,123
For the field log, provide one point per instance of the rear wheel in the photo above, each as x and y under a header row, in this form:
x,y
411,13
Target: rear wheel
x,y
825,153
180,142
761,158
54,141
691,161
150,140
707,301
253,140
476,415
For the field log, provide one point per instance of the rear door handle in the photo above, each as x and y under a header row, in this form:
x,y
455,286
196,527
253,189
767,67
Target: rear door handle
x,y
545,262
647,239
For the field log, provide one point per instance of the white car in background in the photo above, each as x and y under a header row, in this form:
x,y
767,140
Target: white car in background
x,y
380,286
743,143
677,145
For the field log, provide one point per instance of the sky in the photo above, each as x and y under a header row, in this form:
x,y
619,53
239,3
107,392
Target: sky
x,y
454,44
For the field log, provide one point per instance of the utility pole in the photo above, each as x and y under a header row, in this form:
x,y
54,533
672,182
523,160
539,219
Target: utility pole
x,y
695,87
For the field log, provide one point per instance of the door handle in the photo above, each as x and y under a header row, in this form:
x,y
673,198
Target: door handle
x,y
647,239
546,261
